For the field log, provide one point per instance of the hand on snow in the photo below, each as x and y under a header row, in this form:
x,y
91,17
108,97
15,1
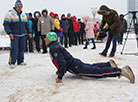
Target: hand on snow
x,y
58,80
11,36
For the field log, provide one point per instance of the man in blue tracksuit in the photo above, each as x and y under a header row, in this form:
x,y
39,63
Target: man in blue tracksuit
x,y
64,62
16,26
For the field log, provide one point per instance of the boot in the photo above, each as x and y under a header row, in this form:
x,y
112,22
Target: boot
x,y
103,54
85,47
44,52
113,64
111,55
93,48
66,46
128,73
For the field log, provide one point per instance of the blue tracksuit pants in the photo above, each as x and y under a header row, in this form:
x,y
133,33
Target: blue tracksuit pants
x,y
98,70
17,50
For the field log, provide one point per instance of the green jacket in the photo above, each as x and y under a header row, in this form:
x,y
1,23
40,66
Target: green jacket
x,y
111,17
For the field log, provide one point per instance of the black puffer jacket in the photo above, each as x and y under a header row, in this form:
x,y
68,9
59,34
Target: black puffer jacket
x,y
36,20
64,25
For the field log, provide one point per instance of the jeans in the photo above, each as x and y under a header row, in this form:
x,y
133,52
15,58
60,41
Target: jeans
x,y
87,42
112,38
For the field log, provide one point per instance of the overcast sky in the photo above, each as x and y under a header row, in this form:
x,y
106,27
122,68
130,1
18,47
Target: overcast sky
x,y
79,8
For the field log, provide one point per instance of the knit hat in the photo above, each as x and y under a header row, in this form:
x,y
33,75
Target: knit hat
x,y
55,15
18,3
26,13
68,14
52,36
51,14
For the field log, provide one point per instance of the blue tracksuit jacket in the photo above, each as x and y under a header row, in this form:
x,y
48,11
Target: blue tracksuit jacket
x,y
64,62
16,23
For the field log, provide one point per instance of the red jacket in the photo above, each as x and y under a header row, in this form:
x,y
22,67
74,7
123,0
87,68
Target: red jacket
x,y
75,24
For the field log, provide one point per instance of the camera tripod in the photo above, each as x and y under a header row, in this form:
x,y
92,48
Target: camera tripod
x,y
135,24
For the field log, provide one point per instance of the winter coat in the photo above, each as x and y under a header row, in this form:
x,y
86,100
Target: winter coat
x,y
58,28
30,23
70,29
45,24
112,19
76,25
82,27
64,25
95,29
89,27
36,21
97,26
16,23
123,25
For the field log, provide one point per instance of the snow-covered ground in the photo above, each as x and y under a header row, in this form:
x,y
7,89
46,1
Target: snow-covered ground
x,y
36,81
4,41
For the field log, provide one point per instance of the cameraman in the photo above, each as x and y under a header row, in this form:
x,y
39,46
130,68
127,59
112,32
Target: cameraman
x,y
111,17
123,30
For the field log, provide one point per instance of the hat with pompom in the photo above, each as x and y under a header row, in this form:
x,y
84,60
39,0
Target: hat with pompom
x,y
18,3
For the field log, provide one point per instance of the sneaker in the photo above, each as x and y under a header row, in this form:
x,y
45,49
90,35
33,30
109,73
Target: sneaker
x,y
23,64
12,66
113,64
103,54
128,73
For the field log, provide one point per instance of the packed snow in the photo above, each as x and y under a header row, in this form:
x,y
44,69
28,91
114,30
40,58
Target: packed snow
x,y
36,81
4,41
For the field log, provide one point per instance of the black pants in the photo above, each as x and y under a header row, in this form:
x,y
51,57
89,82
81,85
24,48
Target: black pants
x,y
75,38
71,37
37,41
81,36
120,38
43,43
29,41
65,39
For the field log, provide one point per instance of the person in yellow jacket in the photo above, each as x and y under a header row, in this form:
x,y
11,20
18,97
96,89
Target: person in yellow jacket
x,y
58,29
